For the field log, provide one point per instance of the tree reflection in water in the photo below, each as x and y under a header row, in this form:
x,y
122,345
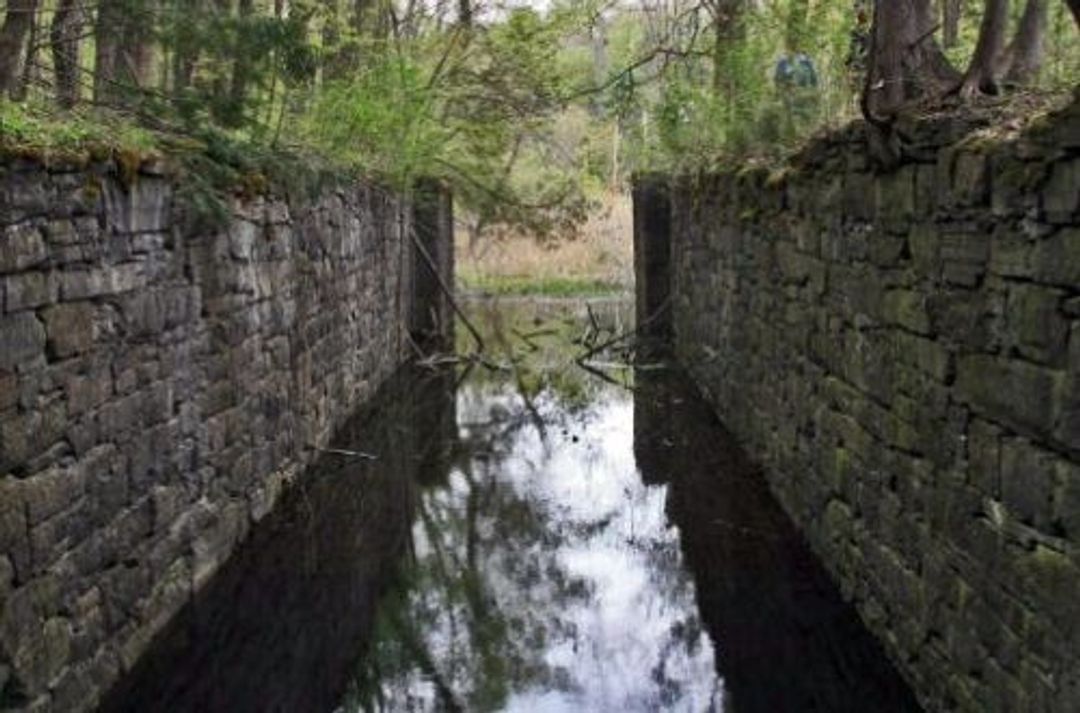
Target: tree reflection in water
x,y
533,538
545,575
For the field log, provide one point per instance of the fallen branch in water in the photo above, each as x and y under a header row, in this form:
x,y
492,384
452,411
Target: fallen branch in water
x,y
604,377
619,338
350,454
446,290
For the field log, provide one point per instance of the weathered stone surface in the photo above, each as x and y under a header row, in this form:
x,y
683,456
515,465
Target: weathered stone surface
x,y
21,246
1012,393
22,339
1056,259
69,328
13,526
27,290
48,493
919,417
907,308
1027,476
1037,325
1061,195
154,386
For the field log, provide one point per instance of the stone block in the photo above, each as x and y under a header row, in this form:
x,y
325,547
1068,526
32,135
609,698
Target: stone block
x,y
926,190
170,594
924,244
1067,429
43,658
27,290
964,257
1066,504
88,391
1061,193
1037,327
1010,392
1027,482
243,236
50,492
7,583
16,439
1013,183
907,309
9,391
972,319
927,355
888,250
96,282
22,339
69,328
984,458
971,179
13,526
894,197
142,207
22,246
215,541
62,233
1056,259
38,649
1011,254
143,313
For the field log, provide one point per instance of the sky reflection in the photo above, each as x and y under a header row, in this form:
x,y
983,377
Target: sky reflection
x,y
532,538
572,552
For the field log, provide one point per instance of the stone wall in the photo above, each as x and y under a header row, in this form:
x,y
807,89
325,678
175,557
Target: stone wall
x,y
901,350
157,390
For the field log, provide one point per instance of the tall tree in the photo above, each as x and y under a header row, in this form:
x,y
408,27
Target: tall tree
x,y
123,35
905,61
726,18
980,76
64,40
18,20
951,10
241,69
1024,56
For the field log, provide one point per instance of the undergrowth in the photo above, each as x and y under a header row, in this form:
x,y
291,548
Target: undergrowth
x,y
538,286
209,164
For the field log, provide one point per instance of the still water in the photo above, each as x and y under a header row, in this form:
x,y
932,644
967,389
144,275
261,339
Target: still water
x,y
530,535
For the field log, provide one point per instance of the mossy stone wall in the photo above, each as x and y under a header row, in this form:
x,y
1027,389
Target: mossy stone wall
x,y
901,351
158,388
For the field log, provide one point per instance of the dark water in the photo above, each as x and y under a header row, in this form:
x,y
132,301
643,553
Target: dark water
x,y
531,538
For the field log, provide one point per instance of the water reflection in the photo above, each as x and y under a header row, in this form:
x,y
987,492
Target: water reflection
x,y
531,539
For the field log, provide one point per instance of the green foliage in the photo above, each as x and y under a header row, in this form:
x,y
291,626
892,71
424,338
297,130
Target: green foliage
x,y
529,114
35,130
540,286
382,122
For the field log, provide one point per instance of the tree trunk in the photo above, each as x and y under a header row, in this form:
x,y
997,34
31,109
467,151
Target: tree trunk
x,y
951,10
980,75
1024,57
107,32
241,70
31,68
18,20
726,16
1074,5
64,40
906,63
